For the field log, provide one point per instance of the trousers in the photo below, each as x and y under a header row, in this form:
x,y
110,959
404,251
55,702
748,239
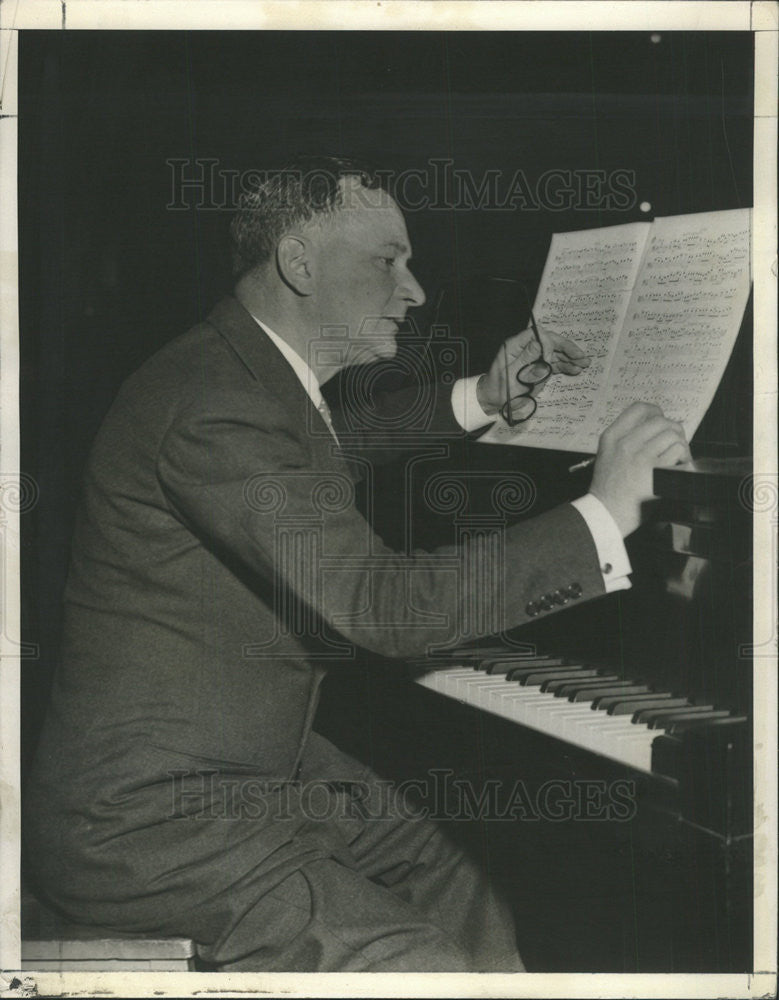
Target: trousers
x,y
336,872
392,894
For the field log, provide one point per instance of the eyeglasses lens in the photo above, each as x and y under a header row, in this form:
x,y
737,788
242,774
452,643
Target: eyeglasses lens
x,y
522,407
535,372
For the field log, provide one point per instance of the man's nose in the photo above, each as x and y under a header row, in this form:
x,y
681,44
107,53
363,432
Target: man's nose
x,y
410,290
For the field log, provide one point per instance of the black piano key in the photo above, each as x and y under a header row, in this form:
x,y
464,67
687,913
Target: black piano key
x,y
530,678
614,704
589,692
554,685
692,721
597,703
648,712
615,687
486,661
503,666
631,706
519,673
565,690
660,718
562,675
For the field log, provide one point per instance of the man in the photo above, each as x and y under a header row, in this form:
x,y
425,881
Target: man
x,y
219,566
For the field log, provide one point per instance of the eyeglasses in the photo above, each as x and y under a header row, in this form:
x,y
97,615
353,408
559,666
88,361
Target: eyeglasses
x,y
521,407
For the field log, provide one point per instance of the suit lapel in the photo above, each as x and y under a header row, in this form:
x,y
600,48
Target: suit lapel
x,y
268,366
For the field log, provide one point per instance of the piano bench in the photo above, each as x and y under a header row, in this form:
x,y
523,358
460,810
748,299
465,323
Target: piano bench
x,y
51,943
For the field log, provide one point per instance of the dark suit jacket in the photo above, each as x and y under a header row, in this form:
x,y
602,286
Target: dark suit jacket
x,y
218,566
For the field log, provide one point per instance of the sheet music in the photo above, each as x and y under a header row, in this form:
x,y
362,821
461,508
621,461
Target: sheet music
x,y
584,294
658,307
683,318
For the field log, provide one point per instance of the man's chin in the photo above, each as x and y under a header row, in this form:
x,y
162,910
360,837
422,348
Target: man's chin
x,y
386,349
376,349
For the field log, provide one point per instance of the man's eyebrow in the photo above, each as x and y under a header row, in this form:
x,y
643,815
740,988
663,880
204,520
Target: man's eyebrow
x,y
400,247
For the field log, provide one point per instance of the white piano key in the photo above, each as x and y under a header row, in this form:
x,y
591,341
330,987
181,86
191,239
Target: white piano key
x,y
457,672
447,679
519,695
641,738
575,728
639,754
602,733
618,738
570,721
540,710
460,684
576,723
600,727
515,691
559,707
514,705
473,690
485,691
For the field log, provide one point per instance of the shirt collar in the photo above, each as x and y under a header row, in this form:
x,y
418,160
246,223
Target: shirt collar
x,y
307,378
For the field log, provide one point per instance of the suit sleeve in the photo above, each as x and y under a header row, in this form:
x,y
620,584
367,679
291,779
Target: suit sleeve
x,y
236,476
383,425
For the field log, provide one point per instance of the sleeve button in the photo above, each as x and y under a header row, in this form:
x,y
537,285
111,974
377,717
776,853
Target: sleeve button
x,y
575,590
561,596
531,609
547,602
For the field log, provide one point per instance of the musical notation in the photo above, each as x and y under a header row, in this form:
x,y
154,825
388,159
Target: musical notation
x,y
583,295
657,306
673,353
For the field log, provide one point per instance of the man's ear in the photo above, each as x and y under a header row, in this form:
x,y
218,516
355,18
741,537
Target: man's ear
x,y
293,259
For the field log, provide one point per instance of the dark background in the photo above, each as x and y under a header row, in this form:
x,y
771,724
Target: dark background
x,y
109,271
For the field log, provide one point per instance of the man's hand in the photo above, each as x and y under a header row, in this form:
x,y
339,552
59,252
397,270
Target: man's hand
x,y
562,354
638,440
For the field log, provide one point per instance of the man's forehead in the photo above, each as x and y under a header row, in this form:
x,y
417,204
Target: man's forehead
x,y
371,213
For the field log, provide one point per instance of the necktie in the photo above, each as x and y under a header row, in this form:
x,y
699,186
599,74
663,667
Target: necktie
x,y
324,410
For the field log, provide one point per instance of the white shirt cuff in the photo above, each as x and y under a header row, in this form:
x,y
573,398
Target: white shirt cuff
x,y
612,556
465,405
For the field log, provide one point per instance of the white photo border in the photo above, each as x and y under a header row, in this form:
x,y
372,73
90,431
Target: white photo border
x,y
760,18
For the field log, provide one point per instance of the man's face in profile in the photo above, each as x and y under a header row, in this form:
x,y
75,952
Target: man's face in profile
x,y
363,282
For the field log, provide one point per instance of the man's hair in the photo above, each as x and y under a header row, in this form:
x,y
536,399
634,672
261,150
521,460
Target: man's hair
x,y
306,188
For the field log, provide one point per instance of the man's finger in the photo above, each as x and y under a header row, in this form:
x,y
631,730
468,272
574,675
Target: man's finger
x,y
663,439
517,344
561,345
529,352
678,452
568,367
630,418
582,360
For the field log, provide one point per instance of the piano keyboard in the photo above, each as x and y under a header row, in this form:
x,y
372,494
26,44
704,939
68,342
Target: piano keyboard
x,y
589,708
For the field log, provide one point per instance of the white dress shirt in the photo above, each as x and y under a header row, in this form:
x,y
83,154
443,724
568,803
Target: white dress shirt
x,y
612,556
307,378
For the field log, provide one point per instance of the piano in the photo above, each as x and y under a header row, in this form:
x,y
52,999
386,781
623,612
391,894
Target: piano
x,y
649,720
644,695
